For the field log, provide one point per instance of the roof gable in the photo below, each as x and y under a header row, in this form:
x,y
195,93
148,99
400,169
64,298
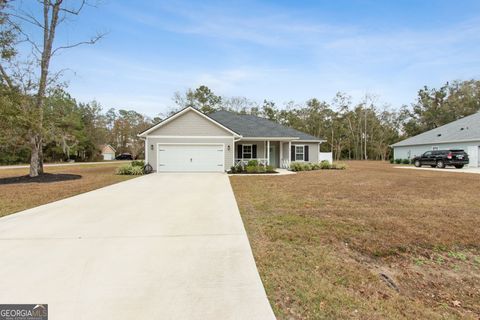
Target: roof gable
x,y
465,129
108,149
189,121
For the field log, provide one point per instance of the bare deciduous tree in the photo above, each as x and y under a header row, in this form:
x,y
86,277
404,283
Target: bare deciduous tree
x,y
53,14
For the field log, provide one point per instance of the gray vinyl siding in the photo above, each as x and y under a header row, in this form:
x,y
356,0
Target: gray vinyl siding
x,y
152,154
409,152
190,124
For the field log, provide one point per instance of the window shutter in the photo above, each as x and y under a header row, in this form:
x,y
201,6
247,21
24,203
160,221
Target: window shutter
x,y
306,153
254,151
292,151
239,151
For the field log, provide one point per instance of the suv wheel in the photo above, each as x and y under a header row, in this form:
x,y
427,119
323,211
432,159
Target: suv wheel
x,y
440,164
459,166
418,164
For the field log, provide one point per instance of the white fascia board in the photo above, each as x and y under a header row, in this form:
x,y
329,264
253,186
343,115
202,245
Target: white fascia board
x,y
269,138
435,142
312,141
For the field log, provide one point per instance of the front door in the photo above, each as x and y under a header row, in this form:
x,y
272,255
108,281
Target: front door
x,y
273,160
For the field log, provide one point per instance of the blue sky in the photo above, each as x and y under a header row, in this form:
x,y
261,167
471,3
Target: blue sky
x,y
278,50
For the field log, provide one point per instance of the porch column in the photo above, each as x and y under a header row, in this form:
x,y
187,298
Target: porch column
x,y
268,152
289,151
281,155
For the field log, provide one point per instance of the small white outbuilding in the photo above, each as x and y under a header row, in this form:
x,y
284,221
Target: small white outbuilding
x,y
108,152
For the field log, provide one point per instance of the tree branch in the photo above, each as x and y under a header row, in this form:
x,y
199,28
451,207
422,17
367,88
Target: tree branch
x,y
73,11
89,42
27,38
6,78
28,19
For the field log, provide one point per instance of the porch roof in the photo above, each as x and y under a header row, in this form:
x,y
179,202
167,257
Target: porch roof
x,y
250,126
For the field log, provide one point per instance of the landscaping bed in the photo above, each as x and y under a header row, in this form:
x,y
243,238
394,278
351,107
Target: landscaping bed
x,y
252,167
324,165
44,178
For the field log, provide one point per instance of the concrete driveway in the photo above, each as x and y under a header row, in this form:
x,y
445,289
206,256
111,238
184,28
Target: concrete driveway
x,y
162,246
447,169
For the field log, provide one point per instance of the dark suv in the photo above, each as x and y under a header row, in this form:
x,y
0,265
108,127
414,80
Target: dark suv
x,y
124,156
442,158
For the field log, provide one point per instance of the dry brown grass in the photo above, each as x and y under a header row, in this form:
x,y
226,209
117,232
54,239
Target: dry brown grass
x,y
21,196
321,239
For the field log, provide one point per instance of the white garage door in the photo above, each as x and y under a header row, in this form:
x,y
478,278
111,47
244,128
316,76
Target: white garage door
x,y
474,156
190,158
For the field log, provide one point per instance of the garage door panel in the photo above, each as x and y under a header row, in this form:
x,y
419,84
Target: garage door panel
x,y
191,158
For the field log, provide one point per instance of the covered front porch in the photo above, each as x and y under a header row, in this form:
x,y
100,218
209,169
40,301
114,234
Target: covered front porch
x,y
275,153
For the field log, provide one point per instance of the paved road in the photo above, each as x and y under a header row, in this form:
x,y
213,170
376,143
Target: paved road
x,y
61,164
447,169
162,246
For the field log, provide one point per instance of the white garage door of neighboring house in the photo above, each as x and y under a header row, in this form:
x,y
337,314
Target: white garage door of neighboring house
x,y
108,156
190,158
474,156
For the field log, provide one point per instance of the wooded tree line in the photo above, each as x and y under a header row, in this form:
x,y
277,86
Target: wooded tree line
x,y
354,130
72,130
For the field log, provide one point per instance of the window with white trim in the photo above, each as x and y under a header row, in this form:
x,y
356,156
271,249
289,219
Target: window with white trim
x,y
299,153
247,151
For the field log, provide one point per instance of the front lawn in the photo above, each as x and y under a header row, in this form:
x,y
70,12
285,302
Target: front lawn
x,y
18,194
369,242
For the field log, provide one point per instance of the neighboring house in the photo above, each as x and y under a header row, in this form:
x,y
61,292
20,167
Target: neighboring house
x,y
190,140
460,134
108,152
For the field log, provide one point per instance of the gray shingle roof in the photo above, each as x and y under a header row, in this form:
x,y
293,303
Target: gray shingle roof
x,y
465,129
253,126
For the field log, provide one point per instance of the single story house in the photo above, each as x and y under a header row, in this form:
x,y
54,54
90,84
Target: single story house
x,y
192,141
461,134
108,152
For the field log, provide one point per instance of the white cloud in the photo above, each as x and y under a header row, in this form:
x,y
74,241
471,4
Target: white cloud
x,y
274,54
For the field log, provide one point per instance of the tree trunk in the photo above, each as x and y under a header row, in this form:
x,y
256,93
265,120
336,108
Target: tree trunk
x,y
49,27
36,159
